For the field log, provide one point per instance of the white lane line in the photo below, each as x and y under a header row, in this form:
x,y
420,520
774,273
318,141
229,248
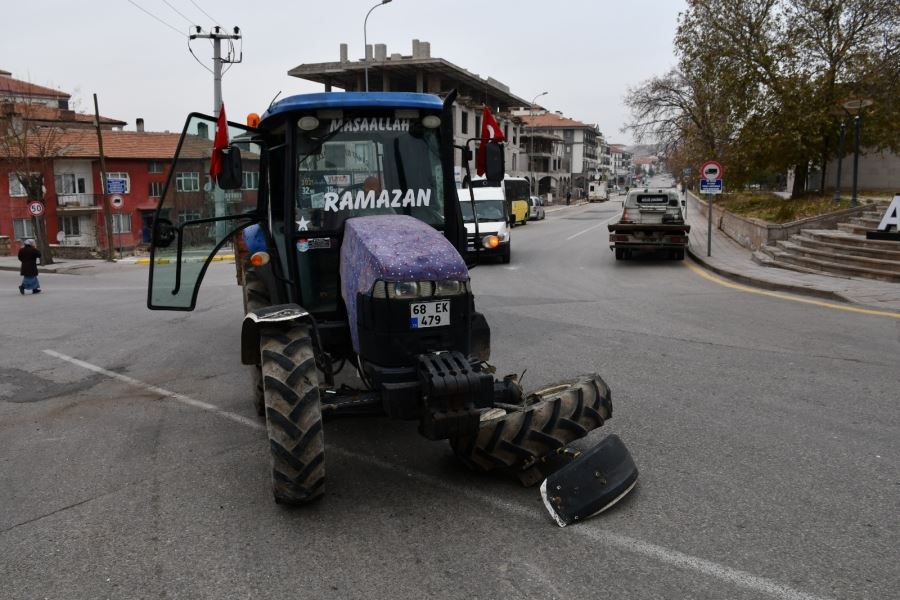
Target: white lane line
x,y
664,555
158,390
591,228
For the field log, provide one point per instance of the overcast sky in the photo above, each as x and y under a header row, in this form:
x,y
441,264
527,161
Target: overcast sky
x,y
584,53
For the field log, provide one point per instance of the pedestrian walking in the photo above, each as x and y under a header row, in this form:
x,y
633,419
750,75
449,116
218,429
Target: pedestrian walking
x,y
29,256
568,198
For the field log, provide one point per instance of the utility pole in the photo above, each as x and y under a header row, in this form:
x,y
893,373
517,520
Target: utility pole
x,y
107,212
217,34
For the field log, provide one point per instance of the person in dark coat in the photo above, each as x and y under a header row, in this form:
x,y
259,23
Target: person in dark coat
x,y
29,256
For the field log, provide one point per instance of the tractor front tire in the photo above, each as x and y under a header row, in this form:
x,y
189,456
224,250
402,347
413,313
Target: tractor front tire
x,y
293,414
557,416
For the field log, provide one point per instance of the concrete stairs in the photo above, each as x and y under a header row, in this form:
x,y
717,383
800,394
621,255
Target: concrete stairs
x,y
841,252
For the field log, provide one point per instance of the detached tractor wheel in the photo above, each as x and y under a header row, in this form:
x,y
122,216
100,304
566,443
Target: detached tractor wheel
x,y
256,296
293,414
551,419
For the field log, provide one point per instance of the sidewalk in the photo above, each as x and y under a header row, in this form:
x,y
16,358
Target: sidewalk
x,y
733,261
72,266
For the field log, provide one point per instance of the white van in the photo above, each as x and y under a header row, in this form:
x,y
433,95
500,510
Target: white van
x,y
493,221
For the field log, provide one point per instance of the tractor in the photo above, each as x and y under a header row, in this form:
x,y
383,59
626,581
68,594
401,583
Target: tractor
x,y
349,238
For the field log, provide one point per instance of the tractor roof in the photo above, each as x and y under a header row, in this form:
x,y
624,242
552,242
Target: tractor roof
x,y
354,100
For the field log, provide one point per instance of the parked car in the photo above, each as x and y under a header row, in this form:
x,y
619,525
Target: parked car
x,y
536,208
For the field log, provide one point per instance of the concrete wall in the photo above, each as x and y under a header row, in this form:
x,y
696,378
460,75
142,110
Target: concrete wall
x,y
877,171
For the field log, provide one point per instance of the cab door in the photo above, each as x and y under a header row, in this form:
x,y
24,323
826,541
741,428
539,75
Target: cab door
x,y
196,219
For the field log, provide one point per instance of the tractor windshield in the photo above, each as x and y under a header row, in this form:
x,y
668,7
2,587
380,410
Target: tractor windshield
x,y
368,165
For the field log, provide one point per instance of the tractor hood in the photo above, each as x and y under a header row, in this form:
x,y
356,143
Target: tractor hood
x,y
394,248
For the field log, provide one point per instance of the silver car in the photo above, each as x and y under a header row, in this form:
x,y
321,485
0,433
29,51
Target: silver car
x,y
536,208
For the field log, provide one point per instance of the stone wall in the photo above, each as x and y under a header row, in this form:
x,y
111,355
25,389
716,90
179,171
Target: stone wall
x,y
754,233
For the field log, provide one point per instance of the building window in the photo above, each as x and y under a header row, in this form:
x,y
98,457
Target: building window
x,y
506,130
154,167
121,223
188,215
477,125
515,135
16,189
464,121
251,180
70,226
187,181
156,189
22,229
514,162
120,175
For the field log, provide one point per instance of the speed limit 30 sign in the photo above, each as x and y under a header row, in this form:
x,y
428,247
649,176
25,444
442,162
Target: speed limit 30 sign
x,y
36,208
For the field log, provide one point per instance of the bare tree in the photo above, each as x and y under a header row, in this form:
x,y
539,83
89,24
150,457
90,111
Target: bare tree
x,y
29,150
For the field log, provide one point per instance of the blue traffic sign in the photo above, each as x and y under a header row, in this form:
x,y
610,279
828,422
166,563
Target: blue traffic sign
x,y
115,186
710,186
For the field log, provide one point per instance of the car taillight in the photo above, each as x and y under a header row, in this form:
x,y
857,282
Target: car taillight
x,y
618,238
625,216
678,239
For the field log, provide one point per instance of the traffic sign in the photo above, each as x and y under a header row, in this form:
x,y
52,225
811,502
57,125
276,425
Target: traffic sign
x,y
711,170
36,208
710,186
115,186
117,201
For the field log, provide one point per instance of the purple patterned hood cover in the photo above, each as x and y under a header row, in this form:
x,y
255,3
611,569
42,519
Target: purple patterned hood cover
x,y
393,248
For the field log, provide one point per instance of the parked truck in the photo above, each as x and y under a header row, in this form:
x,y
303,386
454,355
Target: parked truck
x,y
354,242
651,220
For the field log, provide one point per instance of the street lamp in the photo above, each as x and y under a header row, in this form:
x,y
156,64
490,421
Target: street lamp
x,y
855,108
366,41
531,151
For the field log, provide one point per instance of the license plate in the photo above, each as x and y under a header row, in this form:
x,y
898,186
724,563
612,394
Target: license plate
x,y
429,314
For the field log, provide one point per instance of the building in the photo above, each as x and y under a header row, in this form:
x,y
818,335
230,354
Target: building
x,y
423,73
577,158
622,168
44,106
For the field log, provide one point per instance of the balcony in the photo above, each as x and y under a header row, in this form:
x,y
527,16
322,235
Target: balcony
x,y
68,202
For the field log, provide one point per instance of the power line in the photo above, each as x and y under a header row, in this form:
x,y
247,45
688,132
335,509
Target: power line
x,y
189,22
141,8
208,16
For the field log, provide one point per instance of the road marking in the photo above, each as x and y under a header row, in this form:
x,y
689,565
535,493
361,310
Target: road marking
x,y
158,390
743,288
600,224
664,555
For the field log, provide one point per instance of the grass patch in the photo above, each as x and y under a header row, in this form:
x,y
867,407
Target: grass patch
x,y
775,209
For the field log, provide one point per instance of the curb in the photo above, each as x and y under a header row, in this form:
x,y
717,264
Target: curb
x,y
166,261
768,285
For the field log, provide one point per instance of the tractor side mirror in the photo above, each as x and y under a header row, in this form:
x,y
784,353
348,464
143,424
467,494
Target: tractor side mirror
x,y
163,233
494,167
231,175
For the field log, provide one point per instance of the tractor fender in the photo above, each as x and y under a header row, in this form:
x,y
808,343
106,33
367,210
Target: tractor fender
x,y
255,319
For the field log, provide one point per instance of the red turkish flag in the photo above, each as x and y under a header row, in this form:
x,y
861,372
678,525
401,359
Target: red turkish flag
x,y
219,144
490,133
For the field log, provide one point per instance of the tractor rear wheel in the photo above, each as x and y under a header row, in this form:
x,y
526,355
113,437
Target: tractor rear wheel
x,y
551,419
256,296
293,414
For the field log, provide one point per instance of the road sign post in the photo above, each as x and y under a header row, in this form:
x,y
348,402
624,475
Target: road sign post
x,y
710,184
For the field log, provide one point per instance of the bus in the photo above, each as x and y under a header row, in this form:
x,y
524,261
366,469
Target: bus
x,y
516,190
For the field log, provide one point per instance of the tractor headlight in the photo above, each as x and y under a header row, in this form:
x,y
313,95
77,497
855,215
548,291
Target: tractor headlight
x,y
408,290
403,289
448,288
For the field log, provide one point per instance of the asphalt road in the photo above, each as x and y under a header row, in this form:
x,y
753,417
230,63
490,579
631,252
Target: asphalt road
x,y
765,430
